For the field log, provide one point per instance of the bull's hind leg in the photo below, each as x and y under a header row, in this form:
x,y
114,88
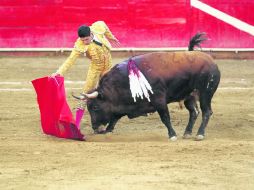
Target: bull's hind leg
x,y
191,105
205,105
165,118
205,98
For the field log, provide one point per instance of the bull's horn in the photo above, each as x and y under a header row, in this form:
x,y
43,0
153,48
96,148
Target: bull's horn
x,y
81,97
92,95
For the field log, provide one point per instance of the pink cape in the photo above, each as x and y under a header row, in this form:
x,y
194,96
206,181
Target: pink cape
x,y
56,116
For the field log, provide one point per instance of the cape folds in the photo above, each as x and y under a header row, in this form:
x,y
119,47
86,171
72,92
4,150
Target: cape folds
x,y
56,116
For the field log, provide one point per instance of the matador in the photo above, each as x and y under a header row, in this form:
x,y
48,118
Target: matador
x,y
94,43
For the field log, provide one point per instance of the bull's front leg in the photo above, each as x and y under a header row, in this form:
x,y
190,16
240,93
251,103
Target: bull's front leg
x,y
112,123
165,118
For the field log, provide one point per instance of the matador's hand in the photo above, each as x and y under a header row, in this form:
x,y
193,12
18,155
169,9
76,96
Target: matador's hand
x,y
54,74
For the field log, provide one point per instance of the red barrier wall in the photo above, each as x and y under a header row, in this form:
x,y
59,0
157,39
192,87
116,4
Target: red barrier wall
x,y
146,23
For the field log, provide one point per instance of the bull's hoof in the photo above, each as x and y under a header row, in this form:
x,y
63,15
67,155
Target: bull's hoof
x,y
187,136
100,132
174,138
109,131
200,137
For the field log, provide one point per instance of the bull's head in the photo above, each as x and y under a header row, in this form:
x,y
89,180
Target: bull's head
x,y
98,108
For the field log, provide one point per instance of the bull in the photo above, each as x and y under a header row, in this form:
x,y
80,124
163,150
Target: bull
x,y
173,76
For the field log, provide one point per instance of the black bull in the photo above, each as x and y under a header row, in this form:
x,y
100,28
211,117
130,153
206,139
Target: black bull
x,y
172,76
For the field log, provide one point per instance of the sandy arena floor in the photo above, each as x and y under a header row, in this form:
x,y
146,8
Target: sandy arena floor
x,y
138,155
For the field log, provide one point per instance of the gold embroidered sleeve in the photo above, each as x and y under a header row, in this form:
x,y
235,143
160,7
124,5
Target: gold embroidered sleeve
x,y
69,62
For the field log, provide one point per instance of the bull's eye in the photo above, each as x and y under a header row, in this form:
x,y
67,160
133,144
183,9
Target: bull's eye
x,y
95,108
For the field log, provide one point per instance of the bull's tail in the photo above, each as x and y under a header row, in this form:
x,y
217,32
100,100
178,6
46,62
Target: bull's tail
x,y
196,40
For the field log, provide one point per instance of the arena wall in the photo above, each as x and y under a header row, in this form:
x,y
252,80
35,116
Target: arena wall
x,y
139,24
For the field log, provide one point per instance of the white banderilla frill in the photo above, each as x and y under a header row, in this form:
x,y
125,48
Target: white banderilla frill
x,y
139,86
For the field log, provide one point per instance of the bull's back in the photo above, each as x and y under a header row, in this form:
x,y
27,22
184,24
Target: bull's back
x,y
171,64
